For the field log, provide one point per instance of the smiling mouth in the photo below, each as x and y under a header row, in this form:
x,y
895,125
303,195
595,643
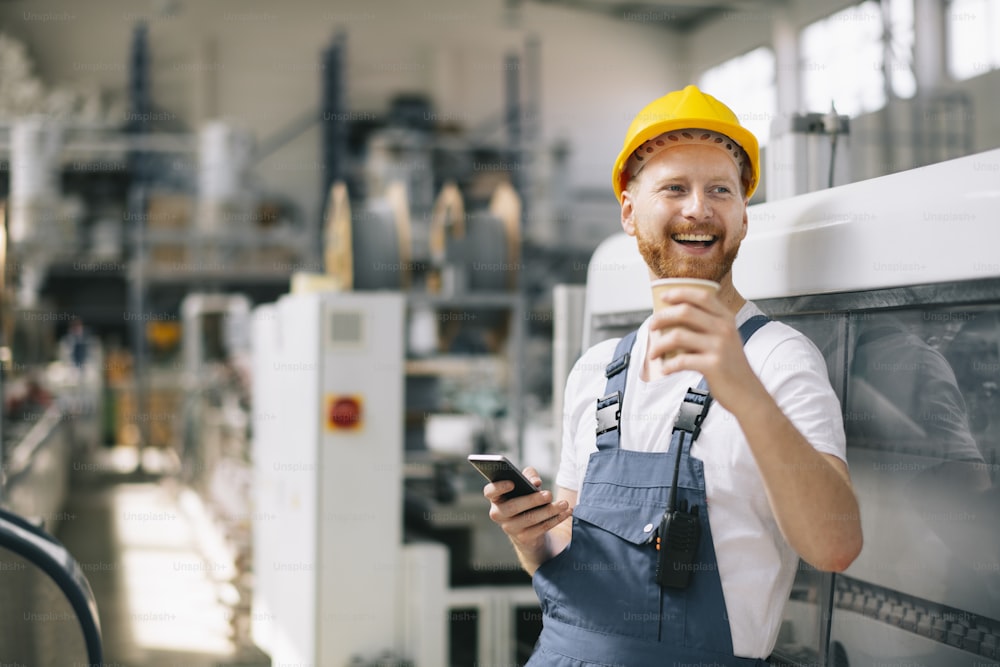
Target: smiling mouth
x,y
695,240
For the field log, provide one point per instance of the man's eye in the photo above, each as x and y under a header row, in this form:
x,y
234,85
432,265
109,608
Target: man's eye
x,y
721,189
673,188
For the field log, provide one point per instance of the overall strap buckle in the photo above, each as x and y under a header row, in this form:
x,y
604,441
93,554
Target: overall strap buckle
x,y
617,365
609,408
693,411
609,412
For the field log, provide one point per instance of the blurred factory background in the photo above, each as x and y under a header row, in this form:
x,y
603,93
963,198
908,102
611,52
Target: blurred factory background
x,y
272,270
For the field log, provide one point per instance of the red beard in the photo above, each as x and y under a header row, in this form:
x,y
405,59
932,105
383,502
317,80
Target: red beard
x,y
665,262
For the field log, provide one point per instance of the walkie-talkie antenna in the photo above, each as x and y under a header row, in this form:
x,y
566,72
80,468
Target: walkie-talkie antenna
x,y
672,498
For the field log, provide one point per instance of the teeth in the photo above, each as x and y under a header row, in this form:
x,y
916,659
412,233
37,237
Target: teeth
x,y
694,237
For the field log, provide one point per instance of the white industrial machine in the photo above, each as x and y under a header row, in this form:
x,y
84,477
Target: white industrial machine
x,y
215,328
333,580
926,225
34,225
328,454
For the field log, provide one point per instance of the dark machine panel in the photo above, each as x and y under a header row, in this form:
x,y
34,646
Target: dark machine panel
x,y
918,372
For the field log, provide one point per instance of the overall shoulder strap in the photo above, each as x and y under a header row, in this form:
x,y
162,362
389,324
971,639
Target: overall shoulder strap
x,y
751,326
747,329
609,408
697,400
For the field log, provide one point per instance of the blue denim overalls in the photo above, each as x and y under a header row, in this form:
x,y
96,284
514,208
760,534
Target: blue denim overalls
x,y
600,601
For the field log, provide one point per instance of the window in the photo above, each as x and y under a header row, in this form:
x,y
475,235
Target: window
x,y
842,58
971,24
746,84
901,76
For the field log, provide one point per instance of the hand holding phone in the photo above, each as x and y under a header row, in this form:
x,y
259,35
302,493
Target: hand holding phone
x,y
496,468
530,522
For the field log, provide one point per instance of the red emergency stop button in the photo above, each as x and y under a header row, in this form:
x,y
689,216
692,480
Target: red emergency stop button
x,y
343,413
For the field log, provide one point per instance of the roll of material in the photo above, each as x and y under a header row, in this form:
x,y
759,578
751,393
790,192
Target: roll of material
x,y
477,251
380,241
485,253
447,226
447,222
506,206
338,258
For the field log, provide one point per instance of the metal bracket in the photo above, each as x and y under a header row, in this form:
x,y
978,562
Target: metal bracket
x,y
609,412
693,411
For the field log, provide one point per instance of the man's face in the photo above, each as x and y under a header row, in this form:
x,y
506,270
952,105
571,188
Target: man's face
x,y
687,212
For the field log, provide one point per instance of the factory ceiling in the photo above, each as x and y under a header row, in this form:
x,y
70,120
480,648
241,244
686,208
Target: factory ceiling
x,y
678,16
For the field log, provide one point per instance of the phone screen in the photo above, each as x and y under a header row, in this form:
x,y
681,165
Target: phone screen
x,y
496,467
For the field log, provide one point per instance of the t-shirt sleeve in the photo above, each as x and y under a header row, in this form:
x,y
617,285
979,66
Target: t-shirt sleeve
x,y
579,405
795,374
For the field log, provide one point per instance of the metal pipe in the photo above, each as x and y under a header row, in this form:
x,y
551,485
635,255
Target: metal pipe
x,y
532,128
288,133
887,110
150,143
137,304
3,379
512,109
140,102
334,123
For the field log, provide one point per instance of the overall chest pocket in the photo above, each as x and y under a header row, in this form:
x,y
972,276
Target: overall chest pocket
x,y
605,579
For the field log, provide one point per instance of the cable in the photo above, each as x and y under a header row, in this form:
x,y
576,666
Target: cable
x,y
831,125
672,498
833,157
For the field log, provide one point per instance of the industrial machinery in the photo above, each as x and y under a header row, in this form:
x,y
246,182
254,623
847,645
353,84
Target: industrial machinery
x,y
899,287
807,152
34,233
328,456
49,617
337,574
858,268
185,219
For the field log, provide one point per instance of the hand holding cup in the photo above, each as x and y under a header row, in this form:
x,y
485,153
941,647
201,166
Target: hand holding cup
x,y
659,287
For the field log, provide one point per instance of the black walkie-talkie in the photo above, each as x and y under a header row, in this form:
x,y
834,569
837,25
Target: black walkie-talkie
x,y
677,537
677,544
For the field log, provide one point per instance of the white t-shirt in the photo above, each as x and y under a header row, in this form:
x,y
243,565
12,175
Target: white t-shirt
x,y
756,564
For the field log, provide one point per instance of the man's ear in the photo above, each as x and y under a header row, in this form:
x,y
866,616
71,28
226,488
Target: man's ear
x,y
746,222
628,213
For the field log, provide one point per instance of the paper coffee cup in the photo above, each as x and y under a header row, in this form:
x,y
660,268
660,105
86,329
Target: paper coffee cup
x,y
663,284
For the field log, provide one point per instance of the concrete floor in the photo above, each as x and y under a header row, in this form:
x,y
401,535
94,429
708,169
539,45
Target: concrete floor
x,y
158,592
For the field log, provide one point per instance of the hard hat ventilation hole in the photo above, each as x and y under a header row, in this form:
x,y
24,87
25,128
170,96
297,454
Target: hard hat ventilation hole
x,y
703,136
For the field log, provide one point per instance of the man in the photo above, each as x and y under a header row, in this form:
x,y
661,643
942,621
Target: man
x,y
764,478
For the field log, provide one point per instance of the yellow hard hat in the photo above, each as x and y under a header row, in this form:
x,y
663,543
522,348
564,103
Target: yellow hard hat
x,y
682,109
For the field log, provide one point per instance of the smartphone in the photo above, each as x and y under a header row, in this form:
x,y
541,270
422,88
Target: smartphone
x,y
496,467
